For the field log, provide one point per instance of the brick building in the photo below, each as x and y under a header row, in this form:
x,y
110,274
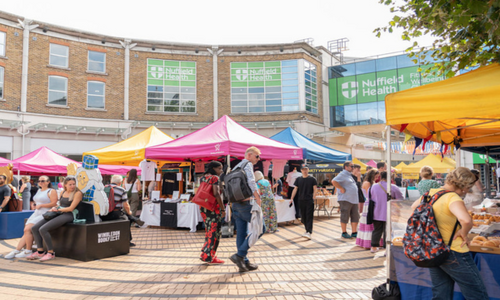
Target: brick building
x,y
75,91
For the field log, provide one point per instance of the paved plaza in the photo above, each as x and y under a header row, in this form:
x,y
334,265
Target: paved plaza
x,y
165,264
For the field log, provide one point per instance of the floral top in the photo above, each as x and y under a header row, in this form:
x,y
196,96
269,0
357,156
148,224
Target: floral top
x,y
265,189
426,185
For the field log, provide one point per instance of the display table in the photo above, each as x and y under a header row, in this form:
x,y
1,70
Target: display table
x,y
322,202
284,211
415,282
188,214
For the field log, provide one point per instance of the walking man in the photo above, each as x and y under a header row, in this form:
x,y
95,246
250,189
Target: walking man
x,y
348,200
242,212
306,187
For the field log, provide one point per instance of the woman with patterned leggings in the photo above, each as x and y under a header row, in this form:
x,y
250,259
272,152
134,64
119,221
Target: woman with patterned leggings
x,y
212,219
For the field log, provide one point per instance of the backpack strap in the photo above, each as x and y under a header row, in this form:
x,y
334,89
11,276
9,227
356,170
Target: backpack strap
x,y
433,200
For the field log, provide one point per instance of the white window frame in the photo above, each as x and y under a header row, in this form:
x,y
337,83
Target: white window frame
x,y
49,90
88,61
103,94
3,42
2,80
58,55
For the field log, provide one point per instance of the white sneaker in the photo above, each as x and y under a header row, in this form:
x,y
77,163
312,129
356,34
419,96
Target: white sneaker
x,y
307,235
12,254
24,254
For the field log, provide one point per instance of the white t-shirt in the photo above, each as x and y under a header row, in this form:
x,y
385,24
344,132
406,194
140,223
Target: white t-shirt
x,y
147,170
292,176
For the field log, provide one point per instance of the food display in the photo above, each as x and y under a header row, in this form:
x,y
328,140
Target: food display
x,y
483,218
323,192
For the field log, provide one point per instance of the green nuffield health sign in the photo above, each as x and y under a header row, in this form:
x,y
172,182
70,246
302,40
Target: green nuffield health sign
x,y
171,86
256,74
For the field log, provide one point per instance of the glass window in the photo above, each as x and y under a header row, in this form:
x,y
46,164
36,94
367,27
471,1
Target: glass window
x,y
172,86
310,93
2,70
95,94
388,63
364,67
58,90
59,55
351,114
405,61
287,63
343,70
2,43
97,61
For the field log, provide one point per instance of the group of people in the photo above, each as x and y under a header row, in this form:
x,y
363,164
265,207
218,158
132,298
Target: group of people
x,y
38,227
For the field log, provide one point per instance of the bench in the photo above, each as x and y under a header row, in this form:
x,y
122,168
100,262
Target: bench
x,y
86,242
12,223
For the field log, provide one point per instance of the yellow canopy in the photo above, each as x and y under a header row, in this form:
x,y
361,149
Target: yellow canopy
x,y
131,151
464,109
450,161
399,168
432,161
358,162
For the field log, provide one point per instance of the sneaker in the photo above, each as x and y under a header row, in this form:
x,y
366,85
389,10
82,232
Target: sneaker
x,y
346,235
24,254
374,250
139,222
48,256
354,235
216,261
34,255
12,254
237,260
250,266
307,235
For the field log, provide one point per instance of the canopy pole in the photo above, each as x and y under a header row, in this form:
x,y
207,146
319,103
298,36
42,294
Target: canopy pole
x,y
388,219
487,174
458,158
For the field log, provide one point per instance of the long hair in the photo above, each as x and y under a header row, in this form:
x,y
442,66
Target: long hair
x,y
48,179
370,176
211,167
132,176
66,180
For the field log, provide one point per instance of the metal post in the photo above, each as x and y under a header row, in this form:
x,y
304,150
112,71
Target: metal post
x,y
388,219
487,174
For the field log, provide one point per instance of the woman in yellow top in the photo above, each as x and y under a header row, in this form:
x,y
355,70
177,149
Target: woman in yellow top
x,y
459,267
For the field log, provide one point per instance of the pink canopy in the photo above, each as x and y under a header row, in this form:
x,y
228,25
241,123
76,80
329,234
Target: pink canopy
x,y
372,163
44,161
5,162
222,137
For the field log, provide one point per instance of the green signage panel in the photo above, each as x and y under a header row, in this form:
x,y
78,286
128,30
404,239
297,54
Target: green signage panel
x,y
481,159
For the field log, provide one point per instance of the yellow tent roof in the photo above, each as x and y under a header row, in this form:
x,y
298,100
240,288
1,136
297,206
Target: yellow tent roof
x,y
130,151
399,168
358,162
430,160
463,108
450,161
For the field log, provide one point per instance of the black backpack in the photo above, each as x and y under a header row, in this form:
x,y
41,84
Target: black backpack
x,y
236,187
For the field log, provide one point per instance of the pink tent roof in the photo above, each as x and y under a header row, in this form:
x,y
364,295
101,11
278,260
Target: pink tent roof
x,y
4,162
44,161
222,137
372,163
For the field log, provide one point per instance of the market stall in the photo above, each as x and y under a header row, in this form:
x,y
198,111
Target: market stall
x,y
457,112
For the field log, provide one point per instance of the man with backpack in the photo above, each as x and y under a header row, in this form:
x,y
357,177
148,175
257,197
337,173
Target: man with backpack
x,y
119,208
242,210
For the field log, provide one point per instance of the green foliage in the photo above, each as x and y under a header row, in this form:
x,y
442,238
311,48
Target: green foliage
x,y
466,32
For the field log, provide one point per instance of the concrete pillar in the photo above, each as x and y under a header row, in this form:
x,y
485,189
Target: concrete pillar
x,y
127,45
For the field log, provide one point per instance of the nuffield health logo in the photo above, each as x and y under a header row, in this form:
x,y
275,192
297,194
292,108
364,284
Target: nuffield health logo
x,y
350,89
241,74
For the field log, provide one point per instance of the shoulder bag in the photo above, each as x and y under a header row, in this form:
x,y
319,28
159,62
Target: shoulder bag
x,y
204,196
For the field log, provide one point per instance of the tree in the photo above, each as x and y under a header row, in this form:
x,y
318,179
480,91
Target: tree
x,y
467,32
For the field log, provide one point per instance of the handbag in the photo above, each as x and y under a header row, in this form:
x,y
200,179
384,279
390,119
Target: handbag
x,y
371,208
381,292
51,215
204,196
15,204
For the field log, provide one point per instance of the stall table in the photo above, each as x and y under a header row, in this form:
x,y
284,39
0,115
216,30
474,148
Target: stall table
x,y
322,202
415,282
188,214
285,210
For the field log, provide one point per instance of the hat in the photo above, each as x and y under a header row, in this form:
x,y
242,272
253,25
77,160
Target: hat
x,y
305,166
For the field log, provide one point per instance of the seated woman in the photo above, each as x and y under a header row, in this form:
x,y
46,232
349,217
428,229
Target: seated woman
x,y
70,198
45,199
268,206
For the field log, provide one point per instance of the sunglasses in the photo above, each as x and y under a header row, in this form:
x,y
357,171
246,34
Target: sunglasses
x,y
257,156
42,181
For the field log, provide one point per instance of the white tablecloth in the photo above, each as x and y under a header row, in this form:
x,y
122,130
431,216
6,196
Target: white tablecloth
x,y
188,215
284,211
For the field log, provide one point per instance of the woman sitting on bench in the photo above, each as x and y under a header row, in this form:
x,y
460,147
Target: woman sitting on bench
x,y
69,200
45,199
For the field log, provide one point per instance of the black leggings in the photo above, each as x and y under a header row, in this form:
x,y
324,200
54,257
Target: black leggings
x,y
41,229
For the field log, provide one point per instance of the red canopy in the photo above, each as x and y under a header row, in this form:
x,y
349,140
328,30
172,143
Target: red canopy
x,y
44,161
222,137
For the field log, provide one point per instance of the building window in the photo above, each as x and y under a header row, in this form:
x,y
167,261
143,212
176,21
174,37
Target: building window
x,y
258,87
58,90
171,86
311,88
3,36
2,70
97,61
59,55
95,94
